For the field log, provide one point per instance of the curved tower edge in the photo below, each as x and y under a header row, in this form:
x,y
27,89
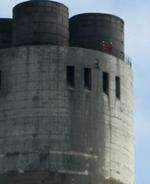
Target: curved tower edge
x,y
78,132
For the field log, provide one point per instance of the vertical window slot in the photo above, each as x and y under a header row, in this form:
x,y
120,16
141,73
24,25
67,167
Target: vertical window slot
x,y
106,83
87,78
71,76
117,87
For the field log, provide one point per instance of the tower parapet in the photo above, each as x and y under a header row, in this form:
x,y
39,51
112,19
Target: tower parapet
x,y
40,22
98,31
5,32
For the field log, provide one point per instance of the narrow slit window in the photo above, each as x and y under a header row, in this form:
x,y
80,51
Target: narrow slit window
x,y
106,83
118,87
87,78
71,76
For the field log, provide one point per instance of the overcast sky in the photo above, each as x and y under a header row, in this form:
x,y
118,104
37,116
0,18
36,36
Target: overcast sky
x,y
136,14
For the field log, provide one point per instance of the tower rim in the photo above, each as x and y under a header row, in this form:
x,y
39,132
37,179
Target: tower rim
x,y
97,14
37,2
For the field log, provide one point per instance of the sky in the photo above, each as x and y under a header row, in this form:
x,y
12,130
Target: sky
x,y
136,14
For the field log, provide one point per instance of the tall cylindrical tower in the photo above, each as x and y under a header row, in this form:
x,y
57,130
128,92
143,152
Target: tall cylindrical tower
x,y
64,117
40,22
66,113
98,31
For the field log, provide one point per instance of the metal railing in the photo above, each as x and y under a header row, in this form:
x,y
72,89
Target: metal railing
x,y
128,60
108,47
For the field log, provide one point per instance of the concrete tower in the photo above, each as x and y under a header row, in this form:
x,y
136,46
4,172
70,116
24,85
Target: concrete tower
x,y
66,107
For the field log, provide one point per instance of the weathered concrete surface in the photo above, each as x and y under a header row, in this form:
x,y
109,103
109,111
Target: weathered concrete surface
x,y
5,33
40,22
59,133
98,31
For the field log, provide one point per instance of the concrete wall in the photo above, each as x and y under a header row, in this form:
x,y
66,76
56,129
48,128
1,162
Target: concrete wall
x,y
5,32
118,118
103,32
40,22
51,133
